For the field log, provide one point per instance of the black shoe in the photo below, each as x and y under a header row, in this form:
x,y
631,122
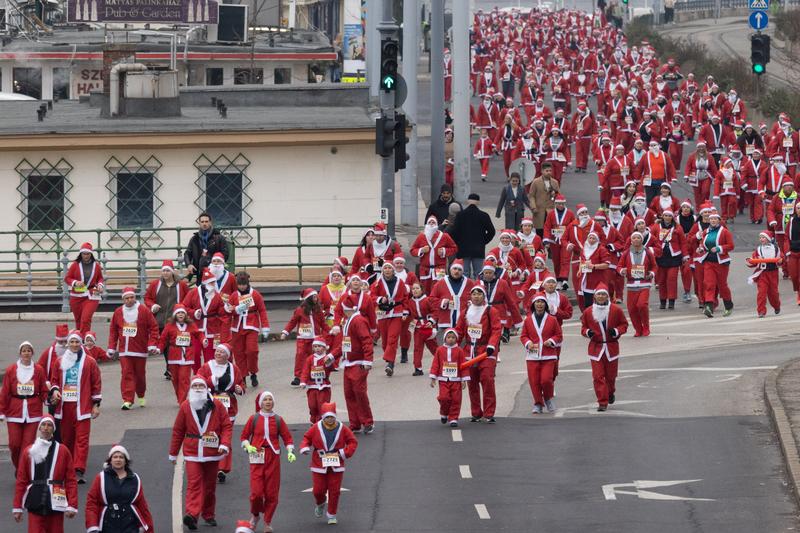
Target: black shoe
x,y
612,398
295,382
475,419
389,369
708,311
80,478
210,522
168,375
253,380
443,419
671,305
221,477
404,355
602,408
369,429
490,420
663,304
190,522
417,372
506,336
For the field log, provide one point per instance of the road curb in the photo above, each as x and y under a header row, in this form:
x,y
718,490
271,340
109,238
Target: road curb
x,y
783,427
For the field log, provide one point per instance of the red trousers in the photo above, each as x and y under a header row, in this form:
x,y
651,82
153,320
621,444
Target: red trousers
x,y
507,160
245,348
715,280
639,310
667,282
540,378
450,399
82,310
767,284
793,266
201,488
265,486
699,289
729,207
556,255
702,191
756,204
75,434
481,376
356,397
226,463
52,523
181,376
207,355
582,147
389,329
484,167
686,276
423,337
301,353
133,378
405,333
20,435
604,378
329,484
317,397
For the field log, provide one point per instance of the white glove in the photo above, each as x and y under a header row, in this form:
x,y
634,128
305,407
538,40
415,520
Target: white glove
x,y
241,309
155,309
197,314
112,354
335,330
223,449
265,332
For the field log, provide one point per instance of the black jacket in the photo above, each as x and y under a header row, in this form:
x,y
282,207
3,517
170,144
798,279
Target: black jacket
x,y
472,231
194,252
440,210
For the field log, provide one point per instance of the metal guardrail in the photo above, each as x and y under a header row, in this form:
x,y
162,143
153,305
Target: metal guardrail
x,y
704,5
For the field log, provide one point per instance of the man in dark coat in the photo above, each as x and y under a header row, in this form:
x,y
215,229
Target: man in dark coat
x,y
202,246
441,207
473,230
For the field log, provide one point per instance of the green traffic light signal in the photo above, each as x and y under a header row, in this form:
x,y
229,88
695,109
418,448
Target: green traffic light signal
x,y
389,52
758,68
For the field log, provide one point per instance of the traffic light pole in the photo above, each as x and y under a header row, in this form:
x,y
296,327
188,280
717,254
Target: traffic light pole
x,y
461,92
408,188
437,97
387,28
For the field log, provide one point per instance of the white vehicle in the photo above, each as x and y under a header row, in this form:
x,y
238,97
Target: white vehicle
x,y
14,97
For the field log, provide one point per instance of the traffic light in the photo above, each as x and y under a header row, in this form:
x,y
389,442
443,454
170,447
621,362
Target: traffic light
x,y
400,141
384,135
389,49
759,52
625,2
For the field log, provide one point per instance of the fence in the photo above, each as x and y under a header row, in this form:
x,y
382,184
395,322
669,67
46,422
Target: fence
x,y
707,5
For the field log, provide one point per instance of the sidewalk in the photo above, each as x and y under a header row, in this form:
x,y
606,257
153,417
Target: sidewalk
x,y
782,393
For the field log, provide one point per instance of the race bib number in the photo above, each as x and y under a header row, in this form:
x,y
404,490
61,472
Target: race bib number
x,y
375,262
331,459
533,352
558,232
662,234
256,458
531,249
637,271
225,297
224,399
788,142
586,267
183,340
346,344
217,340
624,171
305,331
95,295
648,181
613,117
693,180
247,299
70,393
451,305
439,273
628,121
210,440
129,329
727,184
661,115
749,149
475,332
788,209
450,370
536,284
58,498
581,90
380,313
25,389
506,76
317,373
676,133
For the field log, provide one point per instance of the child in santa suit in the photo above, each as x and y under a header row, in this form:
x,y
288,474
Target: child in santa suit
x,y
182,342
85,281
206,306
484,148
726,189
422,311
132,335
541,336
535,280
22,396
330,443
77,389
226,381
446,368
248,318
316,377
203,429
765,276
261,438
92,349
310,323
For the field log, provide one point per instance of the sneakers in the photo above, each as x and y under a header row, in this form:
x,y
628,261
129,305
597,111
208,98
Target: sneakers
x,y
168,375
417,372
601,408
475,419
267,528
319,510
727,312
663,305
295,382
777,311
369,429
564,285
490,420
142,402
126,406
454,423
443,419
332,519
190,522
537,409
687,297
551,407
210,522
356,430
253,380
708,311
389,369
221,477
612,398
80,478
403,355
761,315
671,305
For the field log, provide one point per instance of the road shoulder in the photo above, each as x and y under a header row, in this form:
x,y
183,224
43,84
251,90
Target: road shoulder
x,y
782,395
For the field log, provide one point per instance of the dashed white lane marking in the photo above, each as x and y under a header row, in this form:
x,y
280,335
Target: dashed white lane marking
x,y
483,513
177,491
311,489
676,369
465,472
457,437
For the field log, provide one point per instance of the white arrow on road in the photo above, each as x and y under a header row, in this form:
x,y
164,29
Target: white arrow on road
x,y
589,408
311,489
610,491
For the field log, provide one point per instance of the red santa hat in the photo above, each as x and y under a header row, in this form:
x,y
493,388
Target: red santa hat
x,y
538,296
448,331
765,233
179,308
62,330
433,219
777,157
167,264
550,278
399,259
510,233
119,448
46,418
328,409
639,196
342,262
688,203
309,292
87,248
787,181
540,257
636,222
200,379
580,208
488,265
526,220
218,255
615,203
225,347
90,335
639,233
350,302
714,214
478,288
459,264
600,215
734,148
320,341
601,287
667,212
128,291
207,277
260,398
380,229
560,198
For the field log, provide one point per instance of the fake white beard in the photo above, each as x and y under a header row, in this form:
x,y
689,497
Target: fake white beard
x,y
60,349
197,398
217,270
69,359
430,231
781,168
665,201
130,314
474,313
655,150
217,370
39,449
583,220
589,249
24,373
380,247
211,287
615,216
600,312
505,248
639,208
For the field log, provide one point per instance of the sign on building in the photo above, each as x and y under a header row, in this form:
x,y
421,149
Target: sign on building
x,y
163,11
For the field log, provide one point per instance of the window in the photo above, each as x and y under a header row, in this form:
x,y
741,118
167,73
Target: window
x,y
44,189
134,187
222,191
28,81
61,83
283,76
248,76
214,76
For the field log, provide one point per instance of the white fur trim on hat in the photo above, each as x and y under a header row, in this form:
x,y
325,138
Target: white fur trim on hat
x,y
121,449
76,334
199,379
263,395
319,342
24,343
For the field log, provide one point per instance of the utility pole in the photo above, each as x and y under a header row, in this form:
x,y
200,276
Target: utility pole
x,y
461,93
408,190
372,46
437,97
388,29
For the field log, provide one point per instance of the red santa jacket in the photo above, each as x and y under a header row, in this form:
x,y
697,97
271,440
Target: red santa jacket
x,y
786,145
555,225
226,395
209,312
226,285
316,373
329,296
558,306
672,240
590,279
716,141
22,402
152,293
482,333
181,342
450,302
638,275
604,339
446,364
308,326
354,342
97,504
726,182
202,443
615,174
61,470
75,275
501,297
398,296
254,318
344,444
700,170
724,242
133,339
431,264
484,148
780,210
534,335
661,203
365,305
88,391
262,431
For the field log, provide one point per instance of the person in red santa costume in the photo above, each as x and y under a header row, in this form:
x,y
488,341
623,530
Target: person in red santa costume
x,y
76,387
726,189
309,322
115,502
422,312
182,342
447,369
791,248
541,336
203,430
91,348
45,484
261,438
248,318
226,381
614,175
383,249
85,281
22,397
483,151
226,281
583,126
433,247
637,267
328,297
674,253
364,303
451,294
316,377
480,327
500,296
556,239
603,323
715,246
765,276
390,295
132,336
206,306
593,262
330,443
409,279
50,355
354,348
